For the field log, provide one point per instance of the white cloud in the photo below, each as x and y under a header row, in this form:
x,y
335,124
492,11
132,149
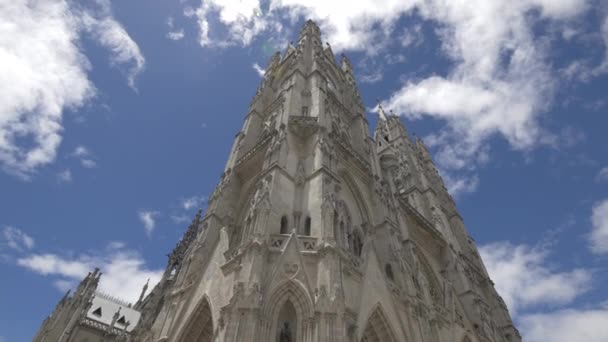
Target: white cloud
x,y
84,154
43,72
599,233
193,202
81,151
412,37
372,77
124,271
602,175
88,163
17,239
589,325
524,279
113,36
458,185
174,33
258,69
148,218
242,17
500,81
64,176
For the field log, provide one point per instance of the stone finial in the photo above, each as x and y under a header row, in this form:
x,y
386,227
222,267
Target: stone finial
x,y
381,111
143,291
345,63
115,318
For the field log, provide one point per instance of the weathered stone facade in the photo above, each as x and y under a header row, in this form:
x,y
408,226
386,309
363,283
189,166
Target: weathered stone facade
x,y
319,232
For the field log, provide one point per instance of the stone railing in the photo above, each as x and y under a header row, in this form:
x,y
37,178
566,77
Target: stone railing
x,y
308,243
303,125
359,161
113,299
278,241
303,120
102,327
424,222
255,149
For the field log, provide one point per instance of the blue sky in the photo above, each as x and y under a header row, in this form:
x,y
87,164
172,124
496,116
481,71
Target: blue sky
x,y
116,119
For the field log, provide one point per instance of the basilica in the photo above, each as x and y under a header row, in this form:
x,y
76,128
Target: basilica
x,y
316,232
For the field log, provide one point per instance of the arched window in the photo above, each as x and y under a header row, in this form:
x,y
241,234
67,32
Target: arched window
x,y
200,326
336,228
342,232
247,228
284,225
307,226
389,272
357,244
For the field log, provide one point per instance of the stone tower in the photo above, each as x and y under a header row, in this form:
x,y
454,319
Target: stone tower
x,y
319,232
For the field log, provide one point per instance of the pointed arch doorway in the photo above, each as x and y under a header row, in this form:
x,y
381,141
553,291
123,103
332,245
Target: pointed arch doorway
x,y
377,328
200,328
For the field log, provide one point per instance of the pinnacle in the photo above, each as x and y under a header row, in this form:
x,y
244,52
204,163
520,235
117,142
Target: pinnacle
x,y
310,27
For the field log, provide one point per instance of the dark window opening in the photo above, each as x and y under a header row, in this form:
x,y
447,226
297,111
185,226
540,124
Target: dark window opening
x,y
284,225
357,244
304,111
307,226
389,272
97,312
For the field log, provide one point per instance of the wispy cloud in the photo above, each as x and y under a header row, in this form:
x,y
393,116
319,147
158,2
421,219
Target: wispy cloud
x,y
124,271
17,239
588,324
84,155
148,218
525,279
174,33
258,69
375,76
112,35
35,90
602,175
599,233
193,202
64,176
179,219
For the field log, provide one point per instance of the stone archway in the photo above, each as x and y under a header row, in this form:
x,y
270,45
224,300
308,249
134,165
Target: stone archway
x,y
200,327
289,303
377,328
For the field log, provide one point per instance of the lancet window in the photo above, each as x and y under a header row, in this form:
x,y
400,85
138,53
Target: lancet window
x,y
307,224
284,224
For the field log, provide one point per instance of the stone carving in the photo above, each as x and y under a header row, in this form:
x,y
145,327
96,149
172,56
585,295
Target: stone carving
x,y
285,335
291,269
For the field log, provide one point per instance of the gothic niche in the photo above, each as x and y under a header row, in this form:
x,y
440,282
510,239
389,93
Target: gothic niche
x,y
342,226
287,324
307,226
284,225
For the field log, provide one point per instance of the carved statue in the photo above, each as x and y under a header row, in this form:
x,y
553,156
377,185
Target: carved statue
x,y
285,335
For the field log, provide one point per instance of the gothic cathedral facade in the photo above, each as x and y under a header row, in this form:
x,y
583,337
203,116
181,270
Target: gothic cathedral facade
x,y
317,232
